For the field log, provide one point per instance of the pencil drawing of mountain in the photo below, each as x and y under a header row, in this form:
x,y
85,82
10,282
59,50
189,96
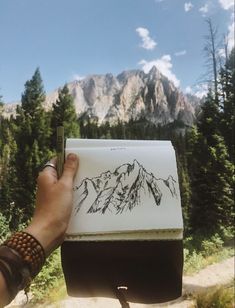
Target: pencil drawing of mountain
x,y
122,190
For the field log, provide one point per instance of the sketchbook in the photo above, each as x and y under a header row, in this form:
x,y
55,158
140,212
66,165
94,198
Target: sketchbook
x,y
125,190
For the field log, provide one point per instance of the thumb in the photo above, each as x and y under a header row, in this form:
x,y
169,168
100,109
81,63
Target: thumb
x,y
70,168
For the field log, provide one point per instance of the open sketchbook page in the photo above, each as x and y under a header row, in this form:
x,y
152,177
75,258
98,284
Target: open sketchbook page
x,y
125,188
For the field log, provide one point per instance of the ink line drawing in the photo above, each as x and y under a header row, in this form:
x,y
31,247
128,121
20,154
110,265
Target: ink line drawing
x,y
121,190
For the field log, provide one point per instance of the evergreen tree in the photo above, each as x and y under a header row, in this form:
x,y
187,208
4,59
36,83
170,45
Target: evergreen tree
x,y
179,143
8,175
63,113
32,139
227,81
1,125
211,174
211,50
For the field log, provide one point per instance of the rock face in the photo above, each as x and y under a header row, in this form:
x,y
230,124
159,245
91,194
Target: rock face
x,y
131,94
122,190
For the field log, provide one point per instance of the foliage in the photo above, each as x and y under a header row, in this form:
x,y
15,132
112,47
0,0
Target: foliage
x,y
212,185
8,173
28,139
200,251
63,113
222,297
48,278
4,229
227,103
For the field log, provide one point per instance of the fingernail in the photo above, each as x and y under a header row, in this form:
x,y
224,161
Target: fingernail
x,y
72,156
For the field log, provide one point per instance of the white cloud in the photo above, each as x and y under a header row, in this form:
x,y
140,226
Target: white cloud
x,y
158,1
221,52
204,9
227,4
180,53
231,34
164,65
200,90
147,42
188,6
77,77
188,90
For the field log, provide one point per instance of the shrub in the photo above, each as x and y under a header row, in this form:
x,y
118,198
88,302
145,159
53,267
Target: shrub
x,y
212,245
48,278
200,252
220,298
193,261
4,228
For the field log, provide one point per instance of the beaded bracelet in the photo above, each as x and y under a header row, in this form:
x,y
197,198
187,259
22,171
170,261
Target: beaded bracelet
x,y
23,257
30,250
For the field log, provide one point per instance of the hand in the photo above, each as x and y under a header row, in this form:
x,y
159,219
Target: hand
x,y
53,205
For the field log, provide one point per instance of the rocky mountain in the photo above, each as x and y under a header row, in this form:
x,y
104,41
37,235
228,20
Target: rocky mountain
x,y
131,94
122,190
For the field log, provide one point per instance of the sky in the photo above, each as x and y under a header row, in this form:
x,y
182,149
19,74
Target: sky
x,y
71,39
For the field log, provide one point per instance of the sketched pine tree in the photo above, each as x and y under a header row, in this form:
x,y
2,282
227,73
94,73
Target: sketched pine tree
x,y
63,113
32,139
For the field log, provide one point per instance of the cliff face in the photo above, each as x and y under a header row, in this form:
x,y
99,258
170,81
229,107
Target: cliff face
x,y
129,95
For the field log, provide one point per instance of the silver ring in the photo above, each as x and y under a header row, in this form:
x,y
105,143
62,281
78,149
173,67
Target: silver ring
x,y
49,164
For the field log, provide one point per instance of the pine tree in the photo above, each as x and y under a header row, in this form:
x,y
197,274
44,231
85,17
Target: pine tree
x,y
32,138
211,50
211,174
63,113
227,81
8,176
179,143
1,125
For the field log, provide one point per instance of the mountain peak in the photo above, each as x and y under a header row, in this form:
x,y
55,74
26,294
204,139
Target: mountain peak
x,y
125,75
131,94
154,74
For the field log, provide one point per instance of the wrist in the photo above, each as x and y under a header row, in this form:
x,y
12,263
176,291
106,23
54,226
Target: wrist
x,y
21,258
49,234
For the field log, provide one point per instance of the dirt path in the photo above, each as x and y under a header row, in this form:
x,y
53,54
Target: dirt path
x,y
214,275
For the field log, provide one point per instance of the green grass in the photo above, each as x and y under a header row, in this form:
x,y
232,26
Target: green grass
x,y
195,261
200,252
222,297
58,292
49,280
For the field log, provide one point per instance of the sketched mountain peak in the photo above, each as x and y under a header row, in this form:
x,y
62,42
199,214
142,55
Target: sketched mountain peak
x,y
121,190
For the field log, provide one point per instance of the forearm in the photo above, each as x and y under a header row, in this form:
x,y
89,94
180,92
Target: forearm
x,y
50,237
4,293
24,253
47,236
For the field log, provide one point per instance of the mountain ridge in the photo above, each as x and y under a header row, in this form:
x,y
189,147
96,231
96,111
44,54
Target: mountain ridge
x,y
129,95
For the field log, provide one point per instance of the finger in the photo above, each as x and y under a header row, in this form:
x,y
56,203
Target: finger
x,y
70,169
52,171
48,176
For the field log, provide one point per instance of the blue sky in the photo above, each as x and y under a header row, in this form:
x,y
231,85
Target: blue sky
x,y
70,39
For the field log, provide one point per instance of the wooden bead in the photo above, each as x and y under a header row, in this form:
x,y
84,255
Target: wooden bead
x,y
29,249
